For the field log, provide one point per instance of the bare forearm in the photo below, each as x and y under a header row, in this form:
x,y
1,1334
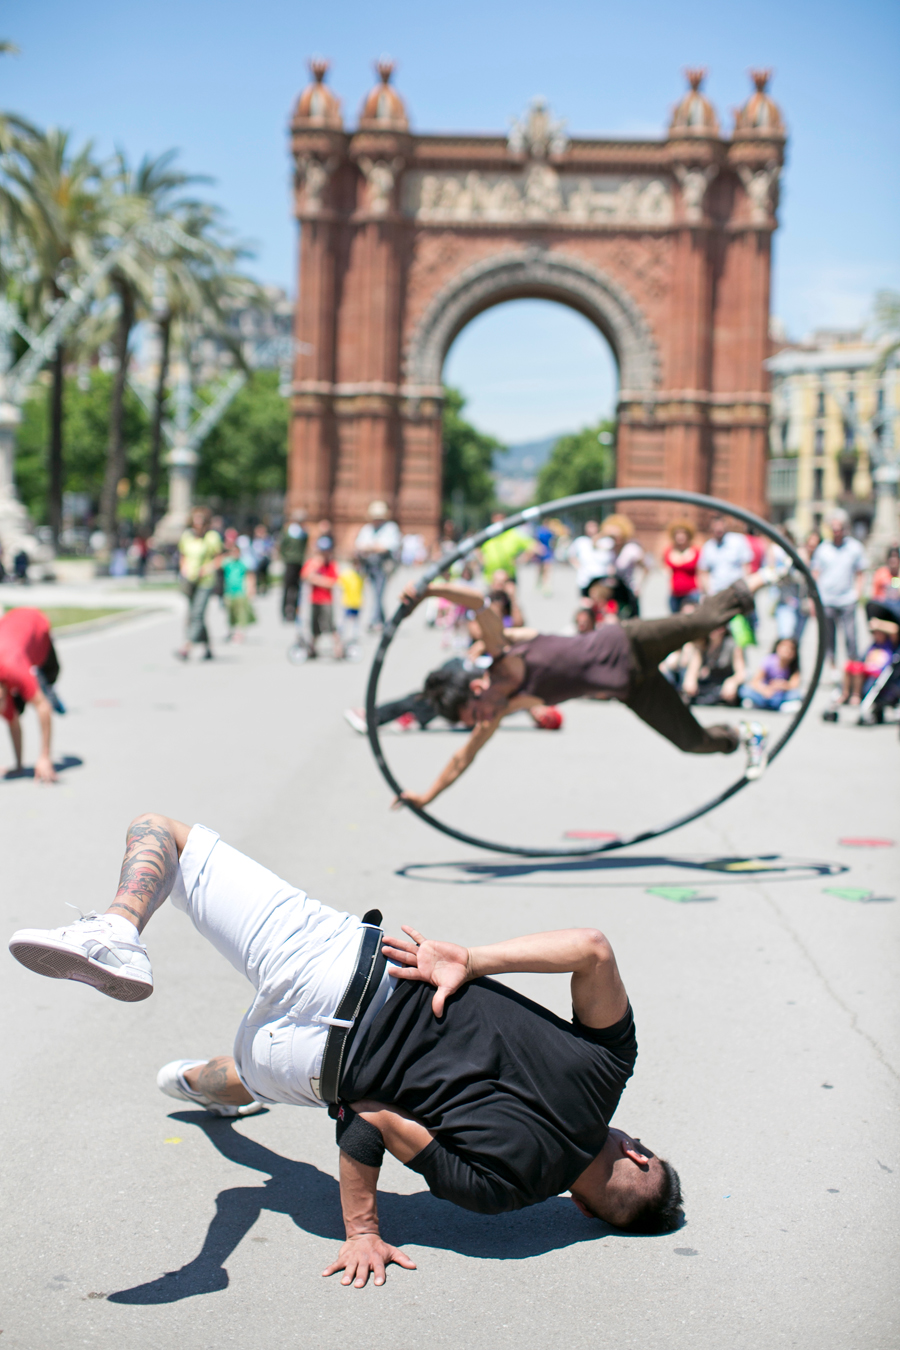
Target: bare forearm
x,y
359,1196
561,952
467,597
15,735
45,717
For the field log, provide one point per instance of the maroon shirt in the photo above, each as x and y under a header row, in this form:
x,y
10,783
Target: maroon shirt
x,y
559,668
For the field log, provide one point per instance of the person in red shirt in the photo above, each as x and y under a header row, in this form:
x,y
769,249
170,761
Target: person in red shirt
x,y
322,574
681,558
28,662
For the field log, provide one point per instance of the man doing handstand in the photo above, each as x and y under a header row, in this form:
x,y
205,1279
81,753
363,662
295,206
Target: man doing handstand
x,y
495,1101
616,660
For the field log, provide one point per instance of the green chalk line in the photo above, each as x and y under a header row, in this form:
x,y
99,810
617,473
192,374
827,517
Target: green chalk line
x,y
847,893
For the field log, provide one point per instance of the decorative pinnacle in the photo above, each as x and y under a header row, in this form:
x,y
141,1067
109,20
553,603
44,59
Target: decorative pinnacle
x,y
695,76
385,68
761,79
318,68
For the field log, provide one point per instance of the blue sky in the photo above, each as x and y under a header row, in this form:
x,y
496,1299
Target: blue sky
x,y
218,80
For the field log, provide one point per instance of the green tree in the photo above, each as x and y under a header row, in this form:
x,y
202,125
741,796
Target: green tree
x,y
245,454
85,432
56,216
583,461
146,195
468,484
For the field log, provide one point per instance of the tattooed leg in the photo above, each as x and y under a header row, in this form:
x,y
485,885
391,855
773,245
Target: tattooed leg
x,y
218,1080
152,848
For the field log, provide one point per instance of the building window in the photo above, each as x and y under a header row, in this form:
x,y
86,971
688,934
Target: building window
x,y
818,484
820,405
849,438
851,398
879,402
820,442
785,433
847,472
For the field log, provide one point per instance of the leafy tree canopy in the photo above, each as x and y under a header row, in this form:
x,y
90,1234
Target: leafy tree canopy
x,y
583,461
246,452
85,436
468,489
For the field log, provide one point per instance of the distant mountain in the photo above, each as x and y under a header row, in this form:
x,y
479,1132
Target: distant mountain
x,y
524,460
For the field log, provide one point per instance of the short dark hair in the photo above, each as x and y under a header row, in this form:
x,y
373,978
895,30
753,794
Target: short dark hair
x,y
502,599
447,690
659,1213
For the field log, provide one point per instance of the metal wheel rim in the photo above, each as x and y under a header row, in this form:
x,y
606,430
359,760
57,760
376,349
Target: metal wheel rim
x,y
531,513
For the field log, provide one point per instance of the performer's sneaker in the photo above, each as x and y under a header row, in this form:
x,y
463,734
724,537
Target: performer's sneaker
x,y
90,951
357,720
755,739
172,1082
405,722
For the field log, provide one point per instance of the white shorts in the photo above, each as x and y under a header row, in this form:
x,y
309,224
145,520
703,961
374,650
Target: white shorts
x,y
298,955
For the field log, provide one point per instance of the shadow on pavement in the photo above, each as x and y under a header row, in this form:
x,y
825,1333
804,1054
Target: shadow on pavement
x,y
312,1199
67,762
763,867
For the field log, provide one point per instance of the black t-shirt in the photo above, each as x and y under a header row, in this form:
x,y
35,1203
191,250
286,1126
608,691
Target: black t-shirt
x,y
518,1100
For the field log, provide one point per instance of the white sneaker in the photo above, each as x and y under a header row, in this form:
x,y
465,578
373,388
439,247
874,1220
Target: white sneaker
x,y
172,1082
89,951
357,719
755,739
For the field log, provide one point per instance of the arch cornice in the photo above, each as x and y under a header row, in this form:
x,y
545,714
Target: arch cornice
x,y
533,273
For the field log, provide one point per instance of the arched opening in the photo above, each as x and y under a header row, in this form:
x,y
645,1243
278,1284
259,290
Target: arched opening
x,y
532,371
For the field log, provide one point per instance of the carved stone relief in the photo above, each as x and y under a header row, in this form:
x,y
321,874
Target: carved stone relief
x,y
694,183
312,180
537,193
380,178
761,187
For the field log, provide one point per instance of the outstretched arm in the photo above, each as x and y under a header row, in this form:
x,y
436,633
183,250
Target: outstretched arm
x,y
598,994
456,765
43,768
364,1252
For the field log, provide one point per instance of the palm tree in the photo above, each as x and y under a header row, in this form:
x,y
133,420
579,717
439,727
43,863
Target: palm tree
x,y
54,206
145,196
193,287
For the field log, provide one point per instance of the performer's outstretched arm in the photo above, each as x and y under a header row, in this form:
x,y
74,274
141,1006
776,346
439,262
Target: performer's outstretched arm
x,y
364,1252
456,765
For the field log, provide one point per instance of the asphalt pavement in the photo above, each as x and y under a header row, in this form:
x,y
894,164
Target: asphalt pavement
x,y
759,950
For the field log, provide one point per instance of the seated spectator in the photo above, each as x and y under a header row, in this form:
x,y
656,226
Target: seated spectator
x,y
777,682
682,557
617,533
859,676
715,671
585,619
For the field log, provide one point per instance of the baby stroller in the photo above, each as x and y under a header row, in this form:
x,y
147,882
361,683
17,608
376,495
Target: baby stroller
x,y
884,691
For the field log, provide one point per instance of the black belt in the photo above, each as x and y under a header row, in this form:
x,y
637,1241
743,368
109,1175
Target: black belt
x,y
352,1007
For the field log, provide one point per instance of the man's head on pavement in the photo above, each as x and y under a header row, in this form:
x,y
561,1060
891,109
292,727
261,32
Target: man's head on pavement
x,y
628,1187
456,695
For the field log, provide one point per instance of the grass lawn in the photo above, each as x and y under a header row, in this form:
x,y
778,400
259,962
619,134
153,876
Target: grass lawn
x,y
62,616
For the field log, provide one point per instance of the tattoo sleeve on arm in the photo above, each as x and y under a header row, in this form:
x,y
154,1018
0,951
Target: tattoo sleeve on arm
x,y
148,871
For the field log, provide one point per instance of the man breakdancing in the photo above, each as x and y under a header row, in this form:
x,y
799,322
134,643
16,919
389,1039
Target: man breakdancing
x,y
495,1101
614,661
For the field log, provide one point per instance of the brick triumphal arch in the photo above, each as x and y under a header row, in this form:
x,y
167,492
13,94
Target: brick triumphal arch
x,y
664,244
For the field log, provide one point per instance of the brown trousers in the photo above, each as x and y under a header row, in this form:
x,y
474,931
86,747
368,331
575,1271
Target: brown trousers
x,y
657,702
